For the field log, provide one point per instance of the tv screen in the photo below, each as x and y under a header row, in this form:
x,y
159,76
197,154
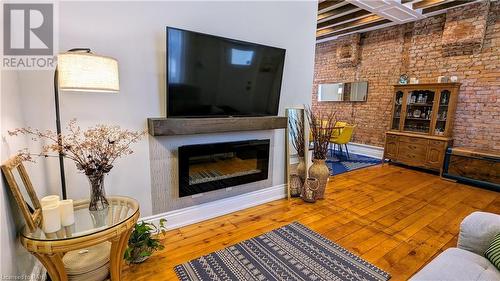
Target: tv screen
x,y
210,76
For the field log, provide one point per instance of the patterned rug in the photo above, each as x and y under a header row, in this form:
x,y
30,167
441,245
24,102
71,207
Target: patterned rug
x,y
339,163
292,252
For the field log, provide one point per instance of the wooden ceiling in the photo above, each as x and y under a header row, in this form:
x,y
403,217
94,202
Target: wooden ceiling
x,y
342,17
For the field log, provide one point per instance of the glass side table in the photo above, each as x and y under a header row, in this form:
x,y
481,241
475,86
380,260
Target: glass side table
x,y
114,224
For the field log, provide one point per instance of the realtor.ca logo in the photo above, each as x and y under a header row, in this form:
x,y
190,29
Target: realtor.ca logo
x,y
28,36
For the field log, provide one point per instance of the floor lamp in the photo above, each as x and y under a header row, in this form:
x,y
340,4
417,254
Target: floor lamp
x,y
79,70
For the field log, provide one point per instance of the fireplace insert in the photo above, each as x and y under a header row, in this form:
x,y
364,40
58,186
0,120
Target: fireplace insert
x,y
207,167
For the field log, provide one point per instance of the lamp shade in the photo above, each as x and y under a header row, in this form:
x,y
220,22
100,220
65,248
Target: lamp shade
x,y
87,72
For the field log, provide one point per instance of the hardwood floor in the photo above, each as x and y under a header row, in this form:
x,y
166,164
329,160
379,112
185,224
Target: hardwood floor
x,y
394,217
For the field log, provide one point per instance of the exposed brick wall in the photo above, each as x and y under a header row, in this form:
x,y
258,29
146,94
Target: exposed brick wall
x,y
417,49
464,30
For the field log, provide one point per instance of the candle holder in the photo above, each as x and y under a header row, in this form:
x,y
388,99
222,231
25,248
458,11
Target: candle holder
x,y
309,190
295,186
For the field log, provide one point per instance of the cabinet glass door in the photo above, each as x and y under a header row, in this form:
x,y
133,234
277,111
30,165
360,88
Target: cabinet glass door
x,y
444,100
419,111
396,115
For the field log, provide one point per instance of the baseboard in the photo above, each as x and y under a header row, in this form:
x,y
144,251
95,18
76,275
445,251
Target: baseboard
x,y
366,150
194,214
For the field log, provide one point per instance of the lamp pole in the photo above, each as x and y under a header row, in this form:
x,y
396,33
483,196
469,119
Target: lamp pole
x,y
58,123
59,138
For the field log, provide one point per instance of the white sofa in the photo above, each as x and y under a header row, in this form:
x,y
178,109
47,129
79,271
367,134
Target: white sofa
x,y
467,261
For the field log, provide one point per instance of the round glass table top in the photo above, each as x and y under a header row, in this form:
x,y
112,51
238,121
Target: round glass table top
x,y
89,222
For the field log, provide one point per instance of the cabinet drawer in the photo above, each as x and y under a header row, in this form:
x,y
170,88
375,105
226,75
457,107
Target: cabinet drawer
x,y
412,157
412,152
413,148
413,140
391,137
436,143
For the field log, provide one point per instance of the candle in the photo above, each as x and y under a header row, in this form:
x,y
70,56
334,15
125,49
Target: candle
x,y
50,200
51,218
67,212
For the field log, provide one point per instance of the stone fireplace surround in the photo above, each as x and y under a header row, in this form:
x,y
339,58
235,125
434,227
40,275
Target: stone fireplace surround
x,y
179,211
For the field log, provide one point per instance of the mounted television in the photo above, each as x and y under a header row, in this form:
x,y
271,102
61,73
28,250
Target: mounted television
x,y
211,76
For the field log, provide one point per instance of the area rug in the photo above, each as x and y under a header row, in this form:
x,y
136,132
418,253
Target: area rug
x,y
340,163
292,252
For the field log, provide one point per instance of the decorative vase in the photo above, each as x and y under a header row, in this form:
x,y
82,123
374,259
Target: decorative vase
x,y
301,169
319,170
98,201
295,185
310,189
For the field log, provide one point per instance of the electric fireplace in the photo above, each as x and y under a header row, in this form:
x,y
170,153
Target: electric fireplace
x,y
207,167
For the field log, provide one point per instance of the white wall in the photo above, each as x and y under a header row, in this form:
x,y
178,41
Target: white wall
x,y
14,259
134,33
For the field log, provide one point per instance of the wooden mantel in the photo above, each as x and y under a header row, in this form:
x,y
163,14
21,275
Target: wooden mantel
x,y
192,126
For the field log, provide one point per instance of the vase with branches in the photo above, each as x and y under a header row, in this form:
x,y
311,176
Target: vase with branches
x,y
93,150
322,126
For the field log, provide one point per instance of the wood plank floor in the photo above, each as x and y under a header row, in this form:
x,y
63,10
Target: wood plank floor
x,y
394,217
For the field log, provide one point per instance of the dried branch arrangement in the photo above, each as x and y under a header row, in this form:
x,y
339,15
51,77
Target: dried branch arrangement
x,y
297,132
93,150
322,126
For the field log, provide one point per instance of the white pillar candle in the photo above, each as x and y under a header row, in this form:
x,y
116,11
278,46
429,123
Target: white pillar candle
x,y
67,212
49,200
51,218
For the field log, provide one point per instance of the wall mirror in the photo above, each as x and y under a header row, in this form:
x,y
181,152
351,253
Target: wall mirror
x,y
296,148
350,91
20,184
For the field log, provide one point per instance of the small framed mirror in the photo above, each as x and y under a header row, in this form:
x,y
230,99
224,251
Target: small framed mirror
x,y
296,150
351,91
22,189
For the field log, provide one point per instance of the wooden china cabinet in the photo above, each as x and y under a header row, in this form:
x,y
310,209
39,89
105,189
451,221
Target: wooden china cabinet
x,y
421,124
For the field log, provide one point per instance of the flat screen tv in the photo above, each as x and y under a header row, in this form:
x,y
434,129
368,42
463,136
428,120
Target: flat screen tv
x,y
211,76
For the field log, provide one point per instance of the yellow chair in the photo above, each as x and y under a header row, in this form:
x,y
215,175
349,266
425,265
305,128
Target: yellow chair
x,y
337,132
344,137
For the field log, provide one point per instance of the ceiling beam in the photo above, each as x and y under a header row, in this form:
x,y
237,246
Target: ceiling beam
x,y
348,25
427,3
336,18
330,5
446,5
338,12
360,28
343,19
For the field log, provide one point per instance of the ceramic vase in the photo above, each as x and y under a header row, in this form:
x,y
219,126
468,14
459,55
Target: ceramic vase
x,y
319,170
301,169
